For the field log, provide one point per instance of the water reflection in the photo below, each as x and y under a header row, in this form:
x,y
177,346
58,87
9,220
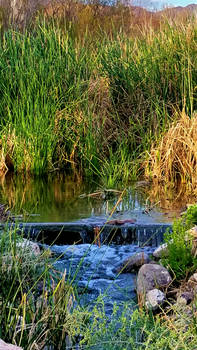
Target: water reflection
x,y
57,198
171,198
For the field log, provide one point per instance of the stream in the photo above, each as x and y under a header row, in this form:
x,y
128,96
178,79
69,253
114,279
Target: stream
x,y
63,213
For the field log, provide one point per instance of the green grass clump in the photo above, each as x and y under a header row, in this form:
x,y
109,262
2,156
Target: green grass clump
x,y
135,330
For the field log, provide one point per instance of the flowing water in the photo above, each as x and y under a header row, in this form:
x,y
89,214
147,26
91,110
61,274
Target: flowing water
x,y
63,199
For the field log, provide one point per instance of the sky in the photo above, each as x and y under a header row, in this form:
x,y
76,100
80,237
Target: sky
x,y
158,4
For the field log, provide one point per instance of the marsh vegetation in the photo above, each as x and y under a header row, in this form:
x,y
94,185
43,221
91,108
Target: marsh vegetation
x,y
89,92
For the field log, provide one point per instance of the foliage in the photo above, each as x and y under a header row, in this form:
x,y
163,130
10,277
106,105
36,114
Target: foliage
x,y
190,217
136,330
180,259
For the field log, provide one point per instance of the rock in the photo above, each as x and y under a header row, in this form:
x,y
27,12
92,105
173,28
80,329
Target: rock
x,y
192,283
134,262
154,299
185,298
193,278
193,231
191,235
161,251
30,246
5,346
151,276
4,213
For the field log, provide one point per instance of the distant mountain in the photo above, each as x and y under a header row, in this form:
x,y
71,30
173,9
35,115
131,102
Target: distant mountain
x,y
190,8
160,5
179,11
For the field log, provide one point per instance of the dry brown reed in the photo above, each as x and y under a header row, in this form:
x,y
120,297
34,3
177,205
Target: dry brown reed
x,y
175,157
6,153
99,98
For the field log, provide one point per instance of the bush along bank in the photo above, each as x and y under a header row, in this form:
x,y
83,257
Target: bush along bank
x,y
93,106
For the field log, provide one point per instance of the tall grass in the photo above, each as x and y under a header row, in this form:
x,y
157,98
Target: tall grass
x,y
71,101
36,302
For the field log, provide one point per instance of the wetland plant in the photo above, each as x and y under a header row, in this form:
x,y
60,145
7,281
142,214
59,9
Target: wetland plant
x,y
94,106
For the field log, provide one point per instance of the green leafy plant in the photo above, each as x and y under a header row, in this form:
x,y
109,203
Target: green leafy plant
x,y
180,259
190,217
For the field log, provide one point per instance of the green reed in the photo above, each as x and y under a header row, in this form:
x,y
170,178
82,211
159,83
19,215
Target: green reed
x,y
73,102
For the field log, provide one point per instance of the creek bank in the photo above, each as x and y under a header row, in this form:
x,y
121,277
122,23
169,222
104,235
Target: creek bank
x,y
110,270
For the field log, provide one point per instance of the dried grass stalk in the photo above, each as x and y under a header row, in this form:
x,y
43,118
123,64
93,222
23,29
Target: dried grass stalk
x,y
175,157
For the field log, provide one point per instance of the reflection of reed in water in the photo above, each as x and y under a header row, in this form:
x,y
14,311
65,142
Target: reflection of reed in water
x,y
29,194
171,197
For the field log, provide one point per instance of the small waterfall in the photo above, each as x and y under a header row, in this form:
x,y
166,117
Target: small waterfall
x,y
80,232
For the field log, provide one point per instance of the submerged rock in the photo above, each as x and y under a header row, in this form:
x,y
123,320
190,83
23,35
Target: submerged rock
x,y
134,262
154,299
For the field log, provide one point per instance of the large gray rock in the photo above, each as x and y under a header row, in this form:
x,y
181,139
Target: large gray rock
x,y
134,262
151,276
155,299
